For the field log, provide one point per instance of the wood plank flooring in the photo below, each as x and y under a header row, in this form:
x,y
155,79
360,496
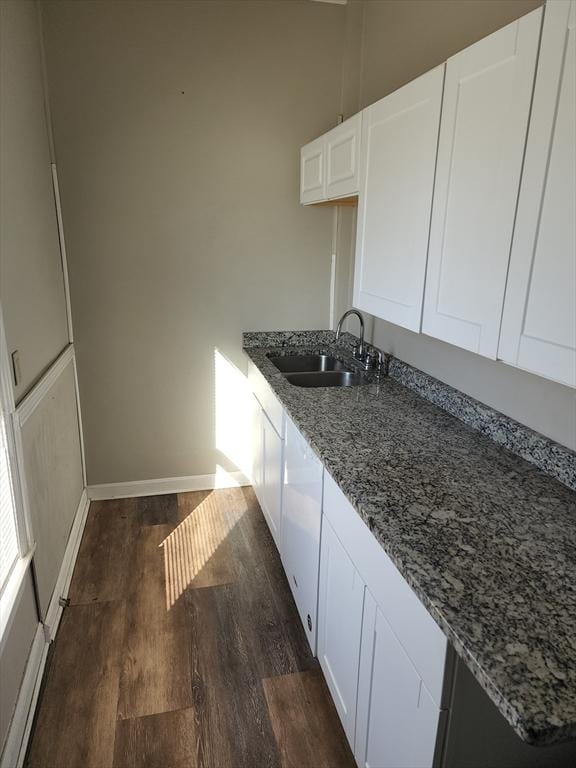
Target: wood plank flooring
x,y
182,647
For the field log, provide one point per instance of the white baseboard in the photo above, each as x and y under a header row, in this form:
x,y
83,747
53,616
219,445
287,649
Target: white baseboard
x,y
64,577
163,485
19,733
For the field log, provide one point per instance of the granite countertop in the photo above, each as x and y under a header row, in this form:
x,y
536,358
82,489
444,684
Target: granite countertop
x,y
486,539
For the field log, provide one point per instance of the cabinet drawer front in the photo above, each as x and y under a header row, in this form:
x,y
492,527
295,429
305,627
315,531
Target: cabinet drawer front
x,y
301,523
399,140
312,171
342,155
485,114
267,399
416,630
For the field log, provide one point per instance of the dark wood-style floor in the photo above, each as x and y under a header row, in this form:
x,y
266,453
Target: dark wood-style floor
x,y
182,647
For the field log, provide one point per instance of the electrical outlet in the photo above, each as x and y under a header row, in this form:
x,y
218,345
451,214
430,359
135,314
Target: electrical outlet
x,y
16,375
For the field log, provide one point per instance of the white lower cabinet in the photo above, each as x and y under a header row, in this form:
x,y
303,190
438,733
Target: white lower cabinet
x,y
397,719
301,523
383,656
341,595
267,471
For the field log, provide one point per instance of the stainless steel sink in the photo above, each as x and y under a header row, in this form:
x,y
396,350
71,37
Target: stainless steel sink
x,y
308,364
324,379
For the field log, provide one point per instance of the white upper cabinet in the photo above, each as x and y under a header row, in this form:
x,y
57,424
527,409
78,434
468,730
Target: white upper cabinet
x,y
329,165
399,141
312,171
485,112
342,158
539,321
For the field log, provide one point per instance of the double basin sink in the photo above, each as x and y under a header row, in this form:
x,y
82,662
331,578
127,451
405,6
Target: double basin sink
x,y
316,371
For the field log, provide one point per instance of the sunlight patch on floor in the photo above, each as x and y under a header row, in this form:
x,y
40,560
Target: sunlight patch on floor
x,y
188,549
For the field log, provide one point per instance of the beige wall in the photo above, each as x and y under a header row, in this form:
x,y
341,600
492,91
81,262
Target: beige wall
x,y
177,129
31,280
405,38
399,40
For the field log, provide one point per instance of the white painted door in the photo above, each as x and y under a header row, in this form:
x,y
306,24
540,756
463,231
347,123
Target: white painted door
x,y
397,719
539,320
399,142
485,112
342,158
341,595
272,478
301,523
312,171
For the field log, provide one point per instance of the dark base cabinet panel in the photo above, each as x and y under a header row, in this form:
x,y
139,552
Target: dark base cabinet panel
x,y
479,737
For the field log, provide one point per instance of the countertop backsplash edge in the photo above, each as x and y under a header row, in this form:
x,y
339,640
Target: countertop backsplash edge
x,y
550,457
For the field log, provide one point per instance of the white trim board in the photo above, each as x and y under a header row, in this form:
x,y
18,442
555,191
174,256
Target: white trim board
x,y
54,612
167,485
80,424
33,399
21,724
56,190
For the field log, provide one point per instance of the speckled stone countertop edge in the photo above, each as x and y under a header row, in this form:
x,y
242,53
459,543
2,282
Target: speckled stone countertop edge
x,y
551,457
470,412
389,547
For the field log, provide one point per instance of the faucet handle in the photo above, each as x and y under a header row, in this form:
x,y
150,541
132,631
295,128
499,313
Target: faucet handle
x,y
373,360
369,359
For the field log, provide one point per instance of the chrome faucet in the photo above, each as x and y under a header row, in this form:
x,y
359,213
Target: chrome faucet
x,y
370,358
360,354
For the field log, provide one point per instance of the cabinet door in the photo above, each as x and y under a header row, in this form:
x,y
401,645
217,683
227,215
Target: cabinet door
x,y
301,522
257,450
341,595
485,112
271,494
539,320
399,141
312,172
397,720
342,158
